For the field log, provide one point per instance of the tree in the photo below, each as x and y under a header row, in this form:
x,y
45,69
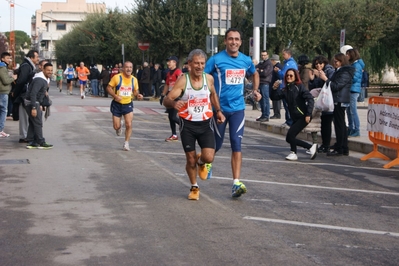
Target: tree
x,y
3,43
171,26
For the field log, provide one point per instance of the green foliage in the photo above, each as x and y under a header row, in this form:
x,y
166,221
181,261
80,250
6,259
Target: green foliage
x,y
176,27
171,27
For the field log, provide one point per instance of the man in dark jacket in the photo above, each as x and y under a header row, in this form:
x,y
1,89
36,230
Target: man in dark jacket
x,y
25,75
94,78
157,80
265,70
145,79
105,78
275,59
35,94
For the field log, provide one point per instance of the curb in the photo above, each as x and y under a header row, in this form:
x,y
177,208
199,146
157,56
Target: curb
x,y
353,144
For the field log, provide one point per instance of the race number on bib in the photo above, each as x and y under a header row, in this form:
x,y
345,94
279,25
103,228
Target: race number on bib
x,y
235,76
125,91
198,105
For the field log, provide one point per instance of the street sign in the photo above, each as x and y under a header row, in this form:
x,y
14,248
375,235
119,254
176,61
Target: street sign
x,y
251,46
143,46
342,38
262,13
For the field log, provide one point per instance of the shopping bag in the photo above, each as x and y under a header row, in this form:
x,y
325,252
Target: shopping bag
x,y
325,100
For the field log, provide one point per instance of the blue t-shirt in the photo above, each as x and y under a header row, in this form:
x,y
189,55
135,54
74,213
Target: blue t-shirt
x,y
229,75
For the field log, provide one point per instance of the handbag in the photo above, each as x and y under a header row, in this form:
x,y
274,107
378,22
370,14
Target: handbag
x,y
46,101
325,101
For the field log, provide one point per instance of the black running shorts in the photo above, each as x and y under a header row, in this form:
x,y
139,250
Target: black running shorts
x,y
200,131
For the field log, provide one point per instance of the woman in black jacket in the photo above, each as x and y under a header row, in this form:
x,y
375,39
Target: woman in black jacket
x,y
300,104
340,84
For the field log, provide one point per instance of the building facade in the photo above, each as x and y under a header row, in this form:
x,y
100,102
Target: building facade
x,y
54,20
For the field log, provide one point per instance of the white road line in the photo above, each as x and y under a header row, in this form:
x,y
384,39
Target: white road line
x,y
323,226
390,207
313,186
285,161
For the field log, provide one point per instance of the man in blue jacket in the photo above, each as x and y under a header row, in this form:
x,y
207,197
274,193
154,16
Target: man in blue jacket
x,y
289,62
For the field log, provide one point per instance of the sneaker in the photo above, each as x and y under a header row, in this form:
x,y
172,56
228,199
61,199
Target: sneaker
x,y
202,171
209,169
172,138
119,131
263,119
285,125
4,134
238,189
292,157
126,146
313,151
354,134
308,152
23,141
32,145
194,193
45,146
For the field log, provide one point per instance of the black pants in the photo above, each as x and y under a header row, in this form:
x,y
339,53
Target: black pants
x,y
173,119
326,122
35,129
341,133
105,90
157,89
295,129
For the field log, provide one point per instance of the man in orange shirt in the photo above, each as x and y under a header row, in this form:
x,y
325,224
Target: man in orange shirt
x,y
82,72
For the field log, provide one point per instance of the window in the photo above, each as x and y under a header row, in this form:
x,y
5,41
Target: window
x,y
61,26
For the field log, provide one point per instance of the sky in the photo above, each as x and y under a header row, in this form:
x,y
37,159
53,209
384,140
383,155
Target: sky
x,y
24,9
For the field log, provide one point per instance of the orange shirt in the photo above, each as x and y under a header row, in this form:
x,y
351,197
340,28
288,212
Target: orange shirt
x,y
82,73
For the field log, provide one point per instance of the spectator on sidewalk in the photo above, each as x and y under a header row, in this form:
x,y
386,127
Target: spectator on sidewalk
x,y
34,98
25,75
275,59
265,70
145,80
289,62
5,87
94,78
105,78
300,104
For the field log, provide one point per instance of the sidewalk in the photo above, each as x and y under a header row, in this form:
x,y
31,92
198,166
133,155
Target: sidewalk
x,y
359,144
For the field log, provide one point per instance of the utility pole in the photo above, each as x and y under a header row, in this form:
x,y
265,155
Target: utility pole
x,y
12,33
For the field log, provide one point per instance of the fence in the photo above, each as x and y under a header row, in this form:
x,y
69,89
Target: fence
x,y
383,127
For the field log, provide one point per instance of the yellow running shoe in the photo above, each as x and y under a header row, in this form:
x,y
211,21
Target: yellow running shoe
x,y
202,171
194,193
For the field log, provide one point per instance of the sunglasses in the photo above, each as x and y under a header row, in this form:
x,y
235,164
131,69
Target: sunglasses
x,y
318,63
290,76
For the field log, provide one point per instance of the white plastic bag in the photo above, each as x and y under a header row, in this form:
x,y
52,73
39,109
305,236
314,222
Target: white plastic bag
x,y
325,100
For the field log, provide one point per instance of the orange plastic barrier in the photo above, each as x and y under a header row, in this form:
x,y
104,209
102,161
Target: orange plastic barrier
x,y
379,138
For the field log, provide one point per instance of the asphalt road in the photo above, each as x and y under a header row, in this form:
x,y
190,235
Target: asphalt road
x,y
87,202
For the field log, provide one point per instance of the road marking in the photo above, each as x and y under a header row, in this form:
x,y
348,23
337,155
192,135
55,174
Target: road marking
x,y
323,226
285,162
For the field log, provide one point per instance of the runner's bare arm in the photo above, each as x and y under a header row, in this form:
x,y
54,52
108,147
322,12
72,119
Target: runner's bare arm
x,y
177,90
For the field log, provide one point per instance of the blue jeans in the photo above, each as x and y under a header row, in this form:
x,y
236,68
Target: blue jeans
x,y
3,110
94,86
353,117
265,101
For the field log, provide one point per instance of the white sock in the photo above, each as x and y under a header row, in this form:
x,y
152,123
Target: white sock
x,y
236,181
200,161
194,185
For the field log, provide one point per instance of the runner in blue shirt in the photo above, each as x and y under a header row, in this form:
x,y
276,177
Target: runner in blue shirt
x,y
70,76
228,69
